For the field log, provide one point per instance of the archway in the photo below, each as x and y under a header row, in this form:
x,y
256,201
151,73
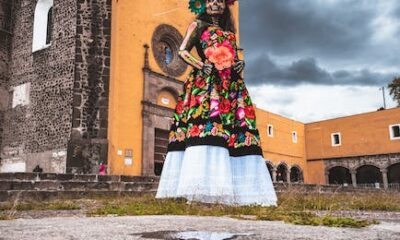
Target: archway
x,y
281,173
394,173
339,175
167,98
296,174
368,174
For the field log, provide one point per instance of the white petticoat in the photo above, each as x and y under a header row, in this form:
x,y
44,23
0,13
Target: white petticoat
x,y
208,174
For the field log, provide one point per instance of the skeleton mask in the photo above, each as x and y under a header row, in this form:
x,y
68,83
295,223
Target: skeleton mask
x,y
215,7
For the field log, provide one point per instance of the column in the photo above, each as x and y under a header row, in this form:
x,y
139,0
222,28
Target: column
x,y
327,177
274,175
288,176
354,177
385,178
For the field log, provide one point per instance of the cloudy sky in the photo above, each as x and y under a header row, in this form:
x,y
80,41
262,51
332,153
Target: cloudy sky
x,y
318,59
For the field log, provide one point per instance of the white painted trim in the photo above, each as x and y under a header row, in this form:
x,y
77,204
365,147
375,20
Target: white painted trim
x,y
294,137
333,139
272,130
391,132
40,25
21,95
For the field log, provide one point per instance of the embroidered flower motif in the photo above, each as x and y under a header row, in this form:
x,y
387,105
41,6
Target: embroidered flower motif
x,y
241,137
209,126
221,56
194,131
249,111
240,114
232,140
225,106
180,136
247,142
224,74
214,131
179,107
206,36
193,101
200,82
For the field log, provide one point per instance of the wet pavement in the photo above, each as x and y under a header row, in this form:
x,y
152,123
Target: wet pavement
x,y
184,228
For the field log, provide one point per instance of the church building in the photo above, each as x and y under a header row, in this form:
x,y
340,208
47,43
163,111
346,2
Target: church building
x,y
91,81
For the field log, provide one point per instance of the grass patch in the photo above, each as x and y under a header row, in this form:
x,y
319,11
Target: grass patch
x,y
148,205
293,207
4,217
36,206
336,202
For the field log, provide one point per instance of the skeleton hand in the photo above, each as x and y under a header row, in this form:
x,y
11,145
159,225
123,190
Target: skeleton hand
x,y
239,66
207,68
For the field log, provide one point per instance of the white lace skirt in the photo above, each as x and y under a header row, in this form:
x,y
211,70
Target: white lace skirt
x,y
208,174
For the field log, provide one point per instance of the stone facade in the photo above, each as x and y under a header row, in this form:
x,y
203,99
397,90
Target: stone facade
x,y
381,161
5,42
155,116
88,145
39,133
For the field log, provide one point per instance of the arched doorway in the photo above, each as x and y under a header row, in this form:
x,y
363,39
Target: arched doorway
x,y
339,175
296,174
369,174
394,173
281,173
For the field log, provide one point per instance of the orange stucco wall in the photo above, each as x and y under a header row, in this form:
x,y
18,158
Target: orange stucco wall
x,y
316,172
133,23
280,147
362,134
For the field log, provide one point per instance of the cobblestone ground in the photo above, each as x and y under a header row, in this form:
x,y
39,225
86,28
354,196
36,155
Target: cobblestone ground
x,y
173,227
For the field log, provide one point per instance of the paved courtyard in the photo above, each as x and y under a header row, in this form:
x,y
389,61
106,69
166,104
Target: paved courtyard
x,y
174,227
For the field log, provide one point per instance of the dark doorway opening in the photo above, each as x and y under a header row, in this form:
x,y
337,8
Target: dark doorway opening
x,y
160,149
339,175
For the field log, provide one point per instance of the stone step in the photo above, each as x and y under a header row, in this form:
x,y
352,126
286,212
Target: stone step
x,y
75,177
53,185
34,195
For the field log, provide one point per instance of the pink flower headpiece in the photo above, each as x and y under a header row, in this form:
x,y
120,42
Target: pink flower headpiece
x,y
230,2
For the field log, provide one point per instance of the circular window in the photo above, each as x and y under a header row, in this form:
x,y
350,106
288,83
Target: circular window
x,y
165,44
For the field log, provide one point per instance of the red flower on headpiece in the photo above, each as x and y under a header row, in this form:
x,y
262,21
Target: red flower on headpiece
x,y
230,2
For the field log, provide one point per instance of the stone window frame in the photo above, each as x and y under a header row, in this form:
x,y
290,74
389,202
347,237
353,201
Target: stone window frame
x,y
294,136
270,133
333,139
163,35
41,25
391,131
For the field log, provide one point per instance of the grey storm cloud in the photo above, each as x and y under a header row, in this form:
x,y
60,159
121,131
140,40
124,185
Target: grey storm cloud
x,y
305,32
263,70
306,27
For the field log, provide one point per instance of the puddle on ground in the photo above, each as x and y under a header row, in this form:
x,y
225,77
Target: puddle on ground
x,y
192,235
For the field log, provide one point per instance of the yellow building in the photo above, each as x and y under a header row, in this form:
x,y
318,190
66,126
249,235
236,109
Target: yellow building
x,y
147,76
363,149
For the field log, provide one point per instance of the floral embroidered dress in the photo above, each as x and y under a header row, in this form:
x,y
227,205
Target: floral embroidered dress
x,y
214,152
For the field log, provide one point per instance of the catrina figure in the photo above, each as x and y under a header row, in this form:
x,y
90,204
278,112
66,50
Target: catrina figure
x,y
214,152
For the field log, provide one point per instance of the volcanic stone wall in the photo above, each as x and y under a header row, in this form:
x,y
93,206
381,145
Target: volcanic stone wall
x,y
63,127
38,133
5,41
88,146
